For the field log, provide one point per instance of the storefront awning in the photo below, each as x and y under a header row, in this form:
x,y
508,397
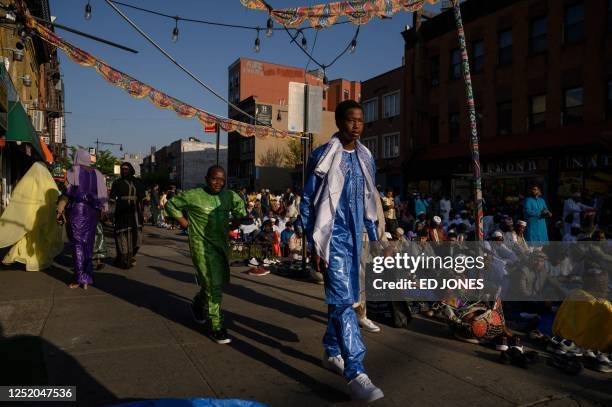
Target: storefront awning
x,y
20,128
48,155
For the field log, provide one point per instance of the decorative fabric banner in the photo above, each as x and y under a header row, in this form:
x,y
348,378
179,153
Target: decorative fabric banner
x,y
140,90
325,15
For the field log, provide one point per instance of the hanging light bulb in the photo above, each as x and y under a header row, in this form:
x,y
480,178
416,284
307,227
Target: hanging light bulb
x,y
175,32
304,42
353,46
257,46
88,11
270,26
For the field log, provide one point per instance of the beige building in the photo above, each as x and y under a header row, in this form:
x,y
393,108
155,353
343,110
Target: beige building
x,y
271,163
261,89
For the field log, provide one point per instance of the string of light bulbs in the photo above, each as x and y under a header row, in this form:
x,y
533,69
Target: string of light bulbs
x,y
269,30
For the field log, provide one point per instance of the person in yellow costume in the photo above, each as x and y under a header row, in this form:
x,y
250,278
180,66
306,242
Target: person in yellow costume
x,y
585,317
205,212
28,223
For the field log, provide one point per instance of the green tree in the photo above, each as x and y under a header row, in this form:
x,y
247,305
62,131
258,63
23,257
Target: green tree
x,y
293,154
105,162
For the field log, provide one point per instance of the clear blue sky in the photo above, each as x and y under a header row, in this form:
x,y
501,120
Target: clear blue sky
x,y
100,110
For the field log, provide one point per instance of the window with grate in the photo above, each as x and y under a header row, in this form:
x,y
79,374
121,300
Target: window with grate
x,y
573,106
538,35
478,57
372,144
505,48
454,128
391,145
391,104
434,130
537,112
434,70
504,118
455,67
370,110
573,29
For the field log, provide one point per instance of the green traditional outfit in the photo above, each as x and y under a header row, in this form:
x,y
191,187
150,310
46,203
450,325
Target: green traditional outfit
x,y
209,216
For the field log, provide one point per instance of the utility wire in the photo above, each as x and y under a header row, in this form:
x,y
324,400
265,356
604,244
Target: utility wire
x,y
208,22
181,66
311,58
314,44
177,18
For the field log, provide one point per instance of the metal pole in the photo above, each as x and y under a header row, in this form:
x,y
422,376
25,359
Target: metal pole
x,y
304,159
218,137
473,126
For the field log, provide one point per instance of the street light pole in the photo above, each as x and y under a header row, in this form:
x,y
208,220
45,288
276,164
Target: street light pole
x,y
218,139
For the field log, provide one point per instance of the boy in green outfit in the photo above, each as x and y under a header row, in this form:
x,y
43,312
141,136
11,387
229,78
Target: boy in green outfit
x,y
208,220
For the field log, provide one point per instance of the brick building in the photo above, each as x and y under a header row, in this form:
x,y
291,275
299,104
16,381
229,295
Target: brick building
x,y
339,90
542,76
182,163
31,98
384,125
261,89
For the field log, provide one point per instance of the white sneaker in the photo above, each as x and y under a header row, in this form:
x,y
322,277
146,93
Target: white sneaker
x,y
267,262
333,363
362,389
603,358
253,262
590,354
317,277
368,326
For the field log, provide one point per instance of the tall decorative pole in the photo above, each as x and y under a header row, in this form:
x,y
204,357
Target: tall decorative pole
x,y
473,127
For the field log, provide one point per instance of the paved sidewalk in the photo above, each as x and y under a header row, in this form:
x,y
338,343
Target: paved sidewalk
x,y
131,337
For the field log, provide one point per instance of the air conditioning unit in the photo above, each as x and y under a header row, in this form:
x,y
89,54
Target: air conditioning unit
x,y
38,120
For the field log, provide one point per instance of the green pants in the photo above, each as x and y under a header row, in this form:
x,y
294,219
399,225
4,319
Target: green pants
x,y
212,271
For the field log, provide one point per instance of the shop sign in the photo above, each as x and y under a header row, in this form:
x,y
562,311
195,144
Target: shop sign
x,y
263,114
579,162
57,171
514,166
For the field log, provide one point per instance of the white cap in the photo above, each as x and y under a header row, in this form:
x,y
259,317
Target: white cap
x,y
522,223
388,235
437,219
497,233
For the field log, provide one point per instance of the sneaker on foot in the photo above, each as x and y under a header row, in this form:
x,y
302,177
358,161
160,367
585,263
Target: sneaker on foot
x,y
253,262
603,358
369,326
199,314
515,342
220,336
603,363
333,363
502,344
589,354
362,389
317,277
258,271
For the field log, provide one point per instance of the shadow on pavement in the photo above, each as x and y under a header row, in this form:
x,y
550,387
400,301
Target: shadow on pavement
x,y
314,297
24,360
176,308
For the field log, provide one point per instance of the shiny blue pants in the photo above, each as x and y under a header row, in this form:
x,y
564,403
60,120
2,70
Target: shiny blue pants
x,y
344,338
